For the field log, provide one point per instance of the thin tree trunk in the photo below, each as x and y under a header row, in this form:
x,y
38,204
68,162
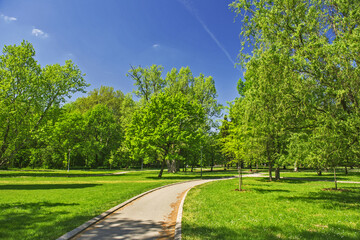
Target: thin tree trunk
x,y
240,177
346,170
335,178
277,173
212,163
270,172
162,169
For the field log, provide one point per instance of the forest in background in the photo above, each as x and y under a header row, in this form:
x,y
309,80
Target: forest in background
x,y
298,102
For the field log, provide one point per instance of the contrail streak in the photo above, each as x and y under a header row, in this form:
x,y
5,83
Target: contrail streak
x,y
196,15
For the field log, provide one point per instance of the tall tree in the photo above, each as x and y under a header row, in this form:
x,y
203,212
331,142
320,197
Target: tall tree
x,y
28,92
147,80
167,123
319,39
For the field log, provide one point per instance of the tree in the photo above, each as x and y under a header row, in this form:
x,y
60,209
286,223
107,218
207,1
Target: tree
x,y
319,39
147,80
27,94
167,123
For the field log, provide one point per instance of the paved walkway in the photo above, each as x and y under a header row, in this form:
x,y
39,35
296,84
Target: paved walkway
x,y
152,216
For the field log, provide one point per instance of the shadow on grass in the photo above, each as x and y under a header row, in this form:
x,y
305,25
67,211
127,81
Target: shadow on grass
x,y
269,233
282,180
262,190
22,220
188,177
128,229
349,199
53,174
45,186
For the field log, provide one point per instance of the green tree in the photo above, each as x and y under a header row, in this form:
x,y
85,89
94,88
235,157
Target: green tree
x,y
167,123
319,39
27,94
147,80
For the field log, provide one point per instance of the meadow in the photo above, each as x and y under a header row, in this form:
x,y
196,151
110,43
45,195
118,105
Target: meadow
x,y
45,204
285,209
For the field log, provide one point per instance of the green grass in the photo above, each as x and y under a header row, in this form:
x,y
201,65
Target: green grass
x,y
353,175
46,204
286,209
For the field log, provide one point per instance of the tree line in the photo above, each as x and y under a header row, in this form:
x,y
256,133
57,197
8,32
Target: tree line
x,y
298,103
299,100
169,125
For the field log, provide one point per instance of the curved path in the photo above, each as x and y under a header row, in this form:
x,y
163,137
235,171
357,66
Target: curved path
x,y
152,216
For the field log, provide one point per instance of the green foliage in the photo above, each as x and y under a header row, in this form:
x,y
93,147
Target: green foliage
x,y
151,86
28,93
301,91
165,125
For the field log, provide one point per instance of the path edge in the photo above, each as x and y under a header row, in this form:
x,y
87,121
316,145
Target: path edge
x,y
94,220
179,217
181,207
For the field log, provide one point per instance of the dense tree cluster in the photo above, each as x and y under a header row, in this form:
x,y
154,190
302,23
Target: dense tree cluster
x,y
299,103
172,119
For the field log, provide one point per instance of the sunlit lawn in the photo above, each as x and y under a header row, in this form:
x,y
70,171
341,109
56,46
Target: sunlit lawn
x,y
353,175
47,204
286,209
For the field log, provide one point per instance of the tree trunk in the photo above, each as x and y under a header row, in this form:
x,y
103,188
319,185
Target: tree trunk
x,y
277,173
270,172
212,163
295,167
319,173
240,177
171,164
335,178
346,170
162,169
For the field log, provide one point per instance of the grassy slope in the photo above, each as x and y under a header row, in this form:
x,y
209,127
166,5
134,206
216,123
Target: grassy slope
x,y
288,209
47,204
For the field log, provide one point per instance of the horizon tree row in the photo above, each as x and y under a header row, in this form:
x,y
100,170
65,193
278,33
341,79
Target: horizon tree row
x,y
171,123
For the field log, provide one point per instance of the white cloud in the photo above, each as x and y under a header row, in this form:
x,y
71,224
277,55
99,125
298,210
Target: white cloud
x,y
7,18
39,33
156,45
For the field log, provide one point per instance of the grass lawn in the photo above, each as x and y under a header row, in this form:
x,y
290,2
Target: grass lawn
x,y
286,209
353,175
47,204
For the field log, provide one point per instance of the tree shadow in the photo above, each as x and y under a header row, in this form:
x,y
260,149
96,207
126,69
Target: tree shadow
x,y
282,180
17,219
262,190
333,232
349,199
123,228
39,173
45,186
292,181
187,177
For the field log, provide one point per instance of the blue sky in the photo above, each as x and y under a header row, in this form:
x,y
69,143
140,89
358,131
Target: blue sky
x,y
105,37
